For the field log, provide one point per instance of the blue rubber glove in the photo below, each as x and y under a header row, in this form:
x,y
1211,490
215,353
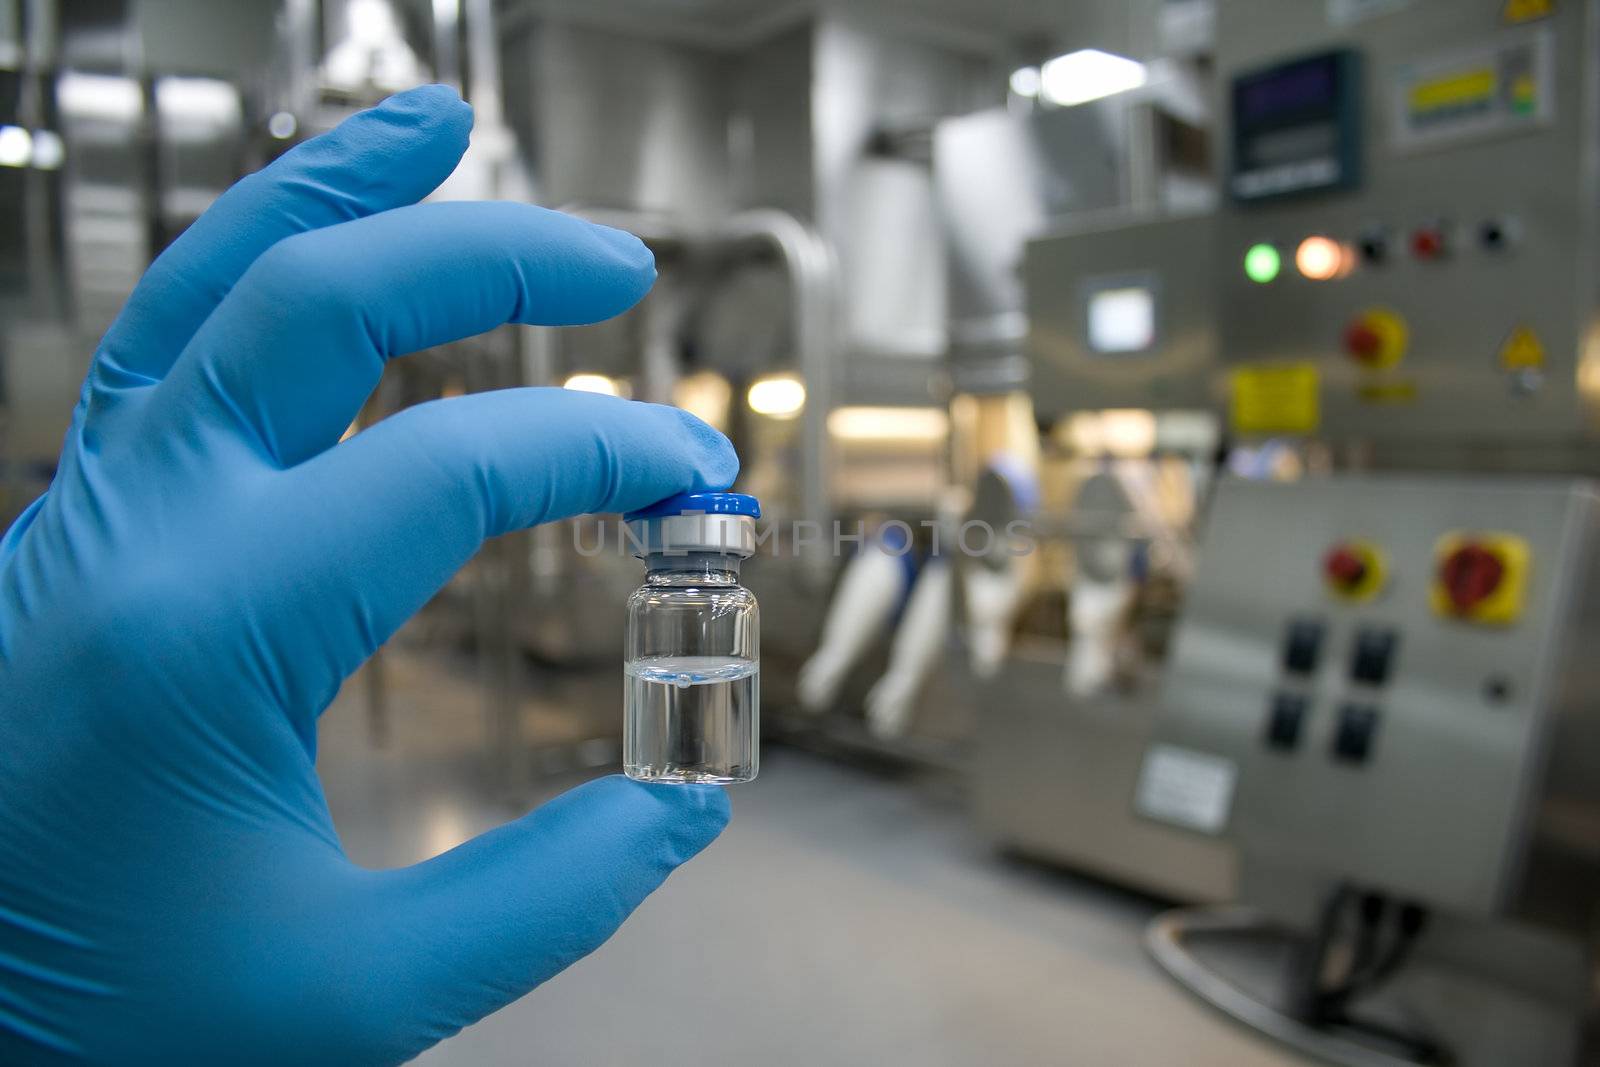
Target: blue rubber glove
x,y
211,563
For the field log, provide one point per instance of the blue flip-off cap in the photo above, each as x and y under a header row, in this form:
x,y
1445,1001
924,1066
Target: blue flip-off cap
x,y
700,504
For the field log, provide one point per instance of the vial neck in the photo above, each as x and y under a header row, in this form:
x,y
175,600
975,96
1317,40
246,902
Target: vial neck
x,y
700,568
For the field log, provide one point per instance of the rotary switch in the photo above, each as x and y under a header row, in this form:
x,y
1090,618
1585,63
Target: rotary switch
x,y
1480,577
1376,338
1354,570
1470,575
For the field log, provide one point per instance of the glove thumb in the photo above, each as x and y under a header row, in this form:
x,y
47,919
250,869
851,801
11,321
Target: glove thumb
x,y
473,929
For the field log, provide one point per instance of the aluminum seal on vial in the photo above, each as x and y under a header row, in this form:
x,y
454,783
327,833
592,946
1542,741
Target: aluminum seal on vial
x,y
722,523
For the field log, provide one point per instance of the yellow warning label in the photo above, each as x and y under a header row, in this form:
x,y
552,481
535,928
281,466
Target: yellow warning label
x,y
1398,391
1527,10
1522,351
1275,398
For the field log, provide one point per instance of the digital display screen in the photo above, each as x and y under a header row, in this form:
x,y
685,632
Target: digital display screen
x,y
1312,85
1297,127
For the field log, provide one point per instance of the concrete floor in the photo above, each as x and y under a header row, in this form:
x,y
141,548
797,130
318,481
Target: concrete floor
x,y
845,917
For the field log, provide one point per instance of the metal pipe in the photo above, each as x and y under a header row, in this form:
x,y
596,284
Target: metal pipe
x,y
810,266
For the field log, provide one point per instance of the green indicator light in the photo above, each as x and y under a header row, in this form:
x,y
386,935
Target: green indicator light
x,y
1262,263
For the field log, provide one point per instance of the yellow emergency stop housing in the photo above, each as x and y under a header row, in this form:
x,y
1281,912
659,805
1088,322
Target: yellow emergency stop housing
x,y
1374,572
1392,334
1500,606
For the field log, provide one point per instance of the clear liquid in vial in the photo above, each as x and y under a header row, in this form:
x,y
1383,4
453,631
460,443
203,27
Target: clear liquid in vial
x,y
691,718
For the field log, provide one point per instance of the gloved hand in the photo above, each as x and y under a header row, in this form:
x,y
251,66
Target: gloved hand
x,y
211,562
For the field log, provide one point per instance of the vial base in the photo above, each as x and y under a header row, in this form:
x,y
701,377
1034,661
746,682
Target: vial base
x,y
691,719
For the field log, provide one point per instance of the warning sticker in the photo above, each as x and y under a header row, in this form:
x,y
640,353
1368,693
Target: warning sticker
x,y
1275,398
1522,351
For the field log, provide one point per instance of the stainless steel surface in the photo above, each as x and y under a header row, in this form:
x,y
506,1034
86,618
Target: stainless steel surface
x,y
1006,175
785,121
1053,778
1001,177
1174,258
1461,804
877,210
1450,387
1129,27
664,143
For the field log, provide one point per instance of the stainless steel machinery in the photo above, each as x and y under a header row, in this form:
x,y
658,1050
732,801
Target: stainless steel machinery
x,y
1383,685
1120,315
1380,689
1423,722
1071,276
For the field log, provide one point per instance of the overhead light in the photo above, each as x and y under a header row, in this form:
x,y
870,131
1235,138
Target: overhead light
x,y
371,22
108,97
48,149
1122,432
593,383
16,146
779,396
282,125
1025,81
888,424
211,101
1320,258
1088,74
706,395
1128,432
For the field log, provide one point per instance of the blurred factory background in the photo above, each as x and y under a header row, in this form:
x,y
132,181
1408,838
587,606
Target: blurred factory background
x,y
1268,328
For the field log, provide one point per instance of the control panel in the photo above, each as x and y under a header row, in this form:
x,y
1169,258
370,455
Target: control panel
x,y
1378,680
1410,219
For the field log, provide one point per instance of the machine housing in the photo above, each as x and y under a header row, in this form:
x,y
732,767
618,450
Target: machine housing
x,y
1475,786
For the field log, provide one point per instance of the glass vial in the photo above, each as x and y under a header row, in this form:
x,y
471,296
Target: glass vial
x,y
691,658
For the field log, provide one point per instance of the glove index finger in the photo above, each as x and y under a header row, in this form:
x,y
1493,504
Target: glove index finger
x,y
388,156
400,507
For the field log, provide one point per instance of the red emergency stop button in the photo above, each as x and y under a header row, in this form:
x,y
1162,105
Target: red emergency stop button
x,y
1362,341
1480,577
1470,575
1353,569
1376,338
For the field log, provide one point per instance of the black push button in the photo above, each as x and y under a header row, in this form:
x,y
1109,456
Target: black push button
x,y
1302,646
1373,658
1284,719
1352,740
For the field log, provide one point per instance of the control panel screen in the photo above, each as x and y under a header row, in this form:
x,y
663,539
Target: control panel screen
x,y
1311,85
1296,127
1121,319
